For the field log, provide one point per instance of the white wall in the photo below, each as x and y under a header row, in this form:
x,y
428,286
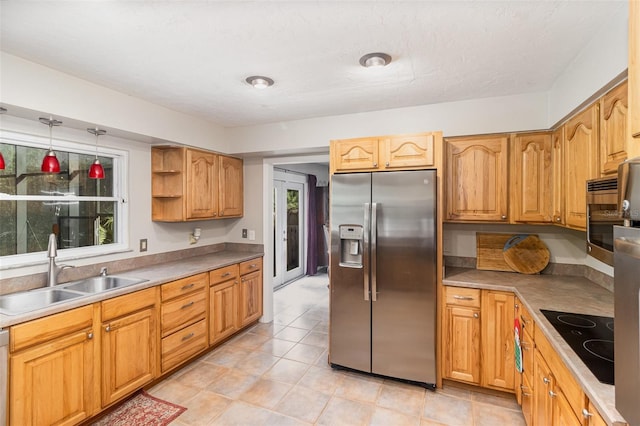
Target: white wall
x,y
35,87
501,114
601,60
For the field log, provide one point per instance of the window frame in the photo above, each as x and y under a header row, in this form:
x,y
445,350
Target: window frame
x,y
120,160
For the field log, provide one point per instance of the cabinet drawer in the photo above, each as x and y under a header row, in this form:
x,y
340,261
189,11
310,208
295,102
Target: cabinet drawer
x,y
183,344
123,305
180,312
223,274
184,286
462,296
51,327
250,266
526,320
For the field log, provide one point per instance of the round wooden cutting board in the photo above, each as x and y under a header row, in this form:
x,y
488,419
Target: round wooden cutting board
x,y
526,254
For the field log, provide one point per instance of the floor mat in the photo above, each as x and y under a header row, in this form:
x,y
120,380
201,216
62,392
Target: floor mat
x,y
142,410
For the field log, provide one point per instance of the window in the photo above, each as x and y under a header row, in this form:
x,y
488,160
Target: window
x,y
87,215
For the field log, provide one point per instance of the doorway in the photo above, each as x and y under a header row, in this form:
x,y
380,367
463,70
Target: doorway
x,y
289,206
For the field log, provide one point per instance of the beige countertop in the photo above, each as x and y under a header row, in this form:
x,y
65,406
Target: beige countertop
x,y
155,275
557,293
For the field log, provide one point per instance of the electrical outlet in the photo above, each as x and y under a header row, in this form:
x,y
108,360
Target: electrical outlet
x,y
244,233
143,244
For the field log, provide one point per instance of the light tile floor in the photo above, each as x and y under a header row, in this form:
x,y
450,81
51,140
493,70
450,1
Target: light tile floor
x,y
277,374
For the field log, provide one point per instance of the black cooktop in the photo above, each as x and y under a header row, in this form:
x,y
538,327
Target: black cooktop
x,y
590,337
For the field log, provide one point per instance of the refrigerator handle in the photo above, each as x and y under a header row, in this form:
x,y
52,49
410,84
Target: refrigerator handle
x,y
365,250
374,240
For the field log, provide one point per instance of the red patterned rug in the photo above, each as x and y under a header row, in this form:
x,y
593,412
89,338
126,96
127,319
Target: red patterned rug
x,y
142,410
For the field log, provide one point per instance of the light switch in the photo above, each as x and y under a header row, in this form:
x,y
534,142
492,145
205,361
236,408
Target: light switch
x,y
252,234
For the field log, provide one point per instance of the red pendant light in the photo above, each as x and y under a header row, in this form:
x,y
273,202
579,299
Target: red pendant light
x,y
50,163
96,171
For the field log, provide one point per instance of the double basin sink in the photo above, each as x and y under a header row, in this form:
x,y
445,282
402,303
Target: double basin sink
x,y
19,303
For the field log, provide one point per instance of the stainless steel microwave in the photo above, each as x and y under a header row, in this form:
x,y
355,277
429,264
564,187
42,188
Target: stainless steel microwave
x,y
602,215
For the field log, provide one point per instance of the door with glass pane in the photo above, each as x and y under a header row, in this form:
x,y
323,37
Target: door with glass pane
x,y
288,216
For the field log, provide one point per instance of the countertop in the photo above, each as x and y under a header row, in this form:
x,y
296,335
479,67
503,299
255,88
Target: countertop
x,y
558,293
155,275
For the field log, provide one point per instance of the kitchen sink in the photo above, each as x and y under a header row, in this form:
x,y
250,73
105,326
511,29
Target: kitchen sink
x,y
102,283
17,303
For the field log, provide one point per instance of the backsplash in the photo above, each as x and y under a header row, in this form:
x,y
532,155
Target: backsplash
x,y
586,271
29,282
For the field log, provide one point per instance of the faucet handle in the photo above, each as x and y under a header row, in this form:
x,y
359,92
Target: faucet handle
x,y
103,271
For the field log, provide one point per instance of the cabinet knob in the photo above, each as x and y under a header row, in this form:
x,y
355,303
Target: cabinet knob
x,y
107,328
503,217
552,394
475,315
222,213
586,414
545,380
557,218
386,164
235,282
90,335
375,164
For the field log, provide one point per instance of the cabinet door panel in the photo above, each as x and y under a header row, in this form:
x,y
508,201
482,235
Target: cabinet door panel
x,y
531,178
202,180
542,384
557,168
128,354
354,154
53,383
613,129
223,311
580,164
250,297
408,152
498,368
231,198
476,178
462,344
562,413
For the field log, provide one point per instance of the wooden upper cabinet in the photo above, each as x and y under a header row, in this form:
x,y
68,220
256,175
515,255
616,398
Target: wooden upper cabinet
x,y
633,138
580,163
202,174
231,198
557,168
398,152
354,154
530,198
476,178
408,151
613,129
193,184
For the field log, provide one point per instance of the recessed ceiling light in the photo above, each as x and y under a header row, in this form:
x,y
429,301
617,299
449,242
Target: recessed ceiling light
x,y
259,82
375,60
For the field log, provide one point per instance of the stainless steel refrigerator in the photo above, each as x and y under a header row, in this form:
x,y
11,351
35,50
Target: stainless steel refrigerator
x,y
383,274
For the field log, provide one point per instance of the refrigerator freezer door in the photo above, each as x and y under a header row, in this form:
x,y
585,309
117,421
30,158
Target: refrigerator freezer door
x,y
350,313
404,312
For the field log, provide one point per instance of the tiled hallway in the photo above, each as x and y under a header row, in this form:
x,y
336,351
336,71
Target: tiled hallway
x,y
277,374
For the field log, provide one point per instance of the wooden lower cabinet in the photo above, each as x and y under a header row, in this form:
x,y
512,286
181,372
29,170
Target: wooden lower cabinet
x,y
129,345
52,381
498,364
250,298
462,351
526,400
223,310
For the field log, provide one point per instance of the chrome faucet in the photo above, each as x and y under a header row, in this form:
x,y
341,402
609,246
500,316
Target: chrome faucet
x,y
54,270
103,271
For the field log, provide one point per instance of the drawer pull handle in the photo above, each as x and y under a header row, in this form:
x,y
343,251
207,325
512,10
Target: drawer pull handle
x,y
525,346
187,286
636,135
188,336
586,414
455,296
253,265
226,274
187,305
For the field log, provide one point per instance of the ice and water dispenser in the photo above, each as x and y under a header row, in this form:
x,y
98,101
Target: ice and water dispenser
x,y
351,244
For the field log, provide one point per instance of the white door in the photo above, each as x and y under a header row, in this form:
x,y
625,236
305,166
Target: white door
x,y
289,231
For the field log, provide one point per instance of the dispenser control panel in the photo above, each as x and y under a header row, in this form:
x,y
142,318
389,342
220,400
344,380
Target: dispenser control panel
x,y
351,244
351,232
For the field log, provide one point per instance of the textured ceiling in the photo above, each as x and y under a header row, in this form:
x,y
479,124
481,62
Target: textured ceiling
x,y
193,56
